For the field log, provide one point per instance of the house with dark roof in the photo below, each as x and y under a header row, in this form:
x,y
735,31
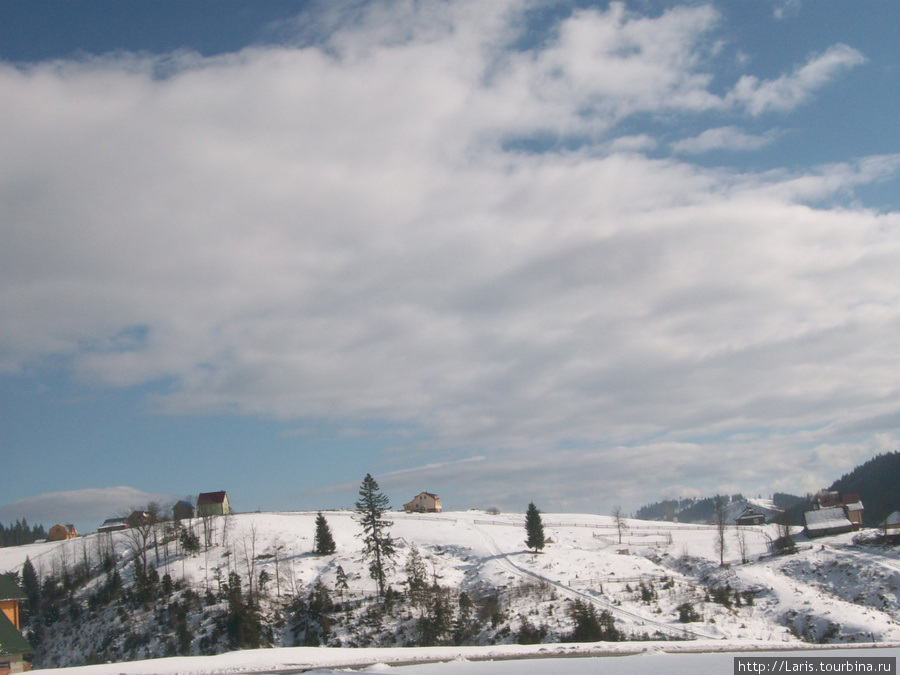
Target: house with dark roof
x,y
750,516
14,649
113,525
183,510
138,518
424,502
10,597
213,504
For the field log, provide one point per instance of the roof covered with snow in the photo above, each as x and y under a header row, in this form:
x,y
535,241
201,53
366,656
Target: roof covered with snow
x,y
826,519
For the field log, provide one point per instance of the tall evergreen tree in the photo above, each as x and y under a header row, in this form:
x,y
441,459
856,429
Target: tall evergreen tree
x,y
378,546
534,528
32,585
437,622
416,576
324,543
340,583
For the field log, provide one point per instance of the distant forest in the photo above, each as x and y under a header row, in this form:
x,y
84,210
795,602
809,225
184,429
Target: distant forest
x,y
20,534
876,481
694,510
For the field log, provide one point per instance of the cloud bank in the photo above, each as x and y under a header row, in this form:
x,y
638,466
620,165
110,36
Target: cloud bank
x,y
408,216
89,507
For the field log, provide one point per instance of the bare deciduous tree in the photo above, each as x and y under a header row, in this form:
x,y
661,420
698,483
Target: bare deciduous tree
x,y
619,519
740,536
140,529
721,529
785,541
248,549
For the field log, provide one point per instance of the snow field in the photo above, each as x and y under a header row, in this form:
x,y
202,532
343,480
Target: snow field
x,y
832,590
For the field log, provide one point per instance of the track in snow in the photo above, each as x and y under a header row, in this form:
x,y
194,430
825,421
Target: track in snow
x,y
504,561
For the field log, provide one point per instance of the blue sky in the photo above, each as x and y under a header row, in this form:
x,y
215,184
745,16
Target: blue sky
x,y
583,254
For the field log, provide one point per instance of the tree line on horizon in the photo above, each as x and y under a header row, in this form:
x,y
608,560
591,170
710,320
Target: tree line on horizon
x,y
20,534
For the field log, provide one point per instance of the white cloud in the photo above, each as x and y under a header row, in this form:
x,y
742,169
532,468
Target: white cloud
x,y
636,143
335,232
787,9
789,91
722,138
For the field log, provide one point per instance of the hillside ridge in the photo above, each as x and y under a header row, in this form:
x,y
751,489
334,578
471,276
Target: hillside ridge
x,y
647,581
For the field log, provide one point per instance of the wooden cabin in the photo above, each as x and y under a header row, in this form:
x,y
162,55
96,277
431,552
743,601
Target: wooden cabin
x,y
213,504
60,532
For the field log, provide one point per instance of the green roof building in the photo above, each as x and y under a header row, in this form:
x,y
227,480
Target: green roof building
x,y
13,647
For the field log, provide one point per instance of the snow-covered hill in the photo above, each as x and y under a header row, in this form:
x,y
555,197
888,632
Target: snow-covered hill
x,y
658,576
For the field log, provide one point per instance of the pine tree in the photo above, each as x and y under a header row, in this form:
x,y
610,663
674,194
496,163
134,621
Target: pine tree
x,y
324,543
462,628
534,528
416,576
190,542
378,546
340,583
437,622
31,585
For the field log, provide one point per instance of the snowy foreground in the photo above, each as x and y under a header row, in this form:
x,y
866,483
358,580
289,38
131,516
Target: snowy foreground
x,y
836,596
651,660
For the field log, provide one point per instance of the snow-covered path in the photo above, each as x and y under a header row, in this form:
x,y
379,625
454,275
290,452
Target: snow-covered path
x,y
683,631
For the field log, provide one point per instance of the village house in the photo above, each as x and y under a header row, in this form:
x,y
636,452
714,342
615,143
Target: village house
x,y
213,504
750,516
424,502
60,532
854,507
113,525
14,648
138,517
183,510
890,526
850,502
822,522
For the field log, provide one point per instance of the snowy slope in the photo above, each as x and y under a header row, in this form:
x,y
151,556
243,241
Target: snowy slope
x,y
830,591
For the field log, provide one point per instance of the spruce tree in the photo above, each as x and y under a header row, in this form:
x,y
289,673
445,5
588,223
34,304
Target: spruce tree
x,y
31,585
378,546
416,576
437,622
324,540
534,528
340,583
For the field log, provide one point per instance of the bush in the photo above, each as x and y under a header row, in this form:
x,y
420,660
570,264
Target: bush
x,y
687,613
589,627
529,634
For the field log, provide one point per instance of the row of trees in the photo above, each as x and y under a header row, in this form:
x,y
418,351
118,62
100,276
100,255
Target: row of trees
x,y
20,533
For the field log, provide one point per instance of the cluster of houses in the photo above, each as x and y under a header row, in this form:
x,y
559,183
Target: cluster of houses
x,y
831,513
208,504
211,504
